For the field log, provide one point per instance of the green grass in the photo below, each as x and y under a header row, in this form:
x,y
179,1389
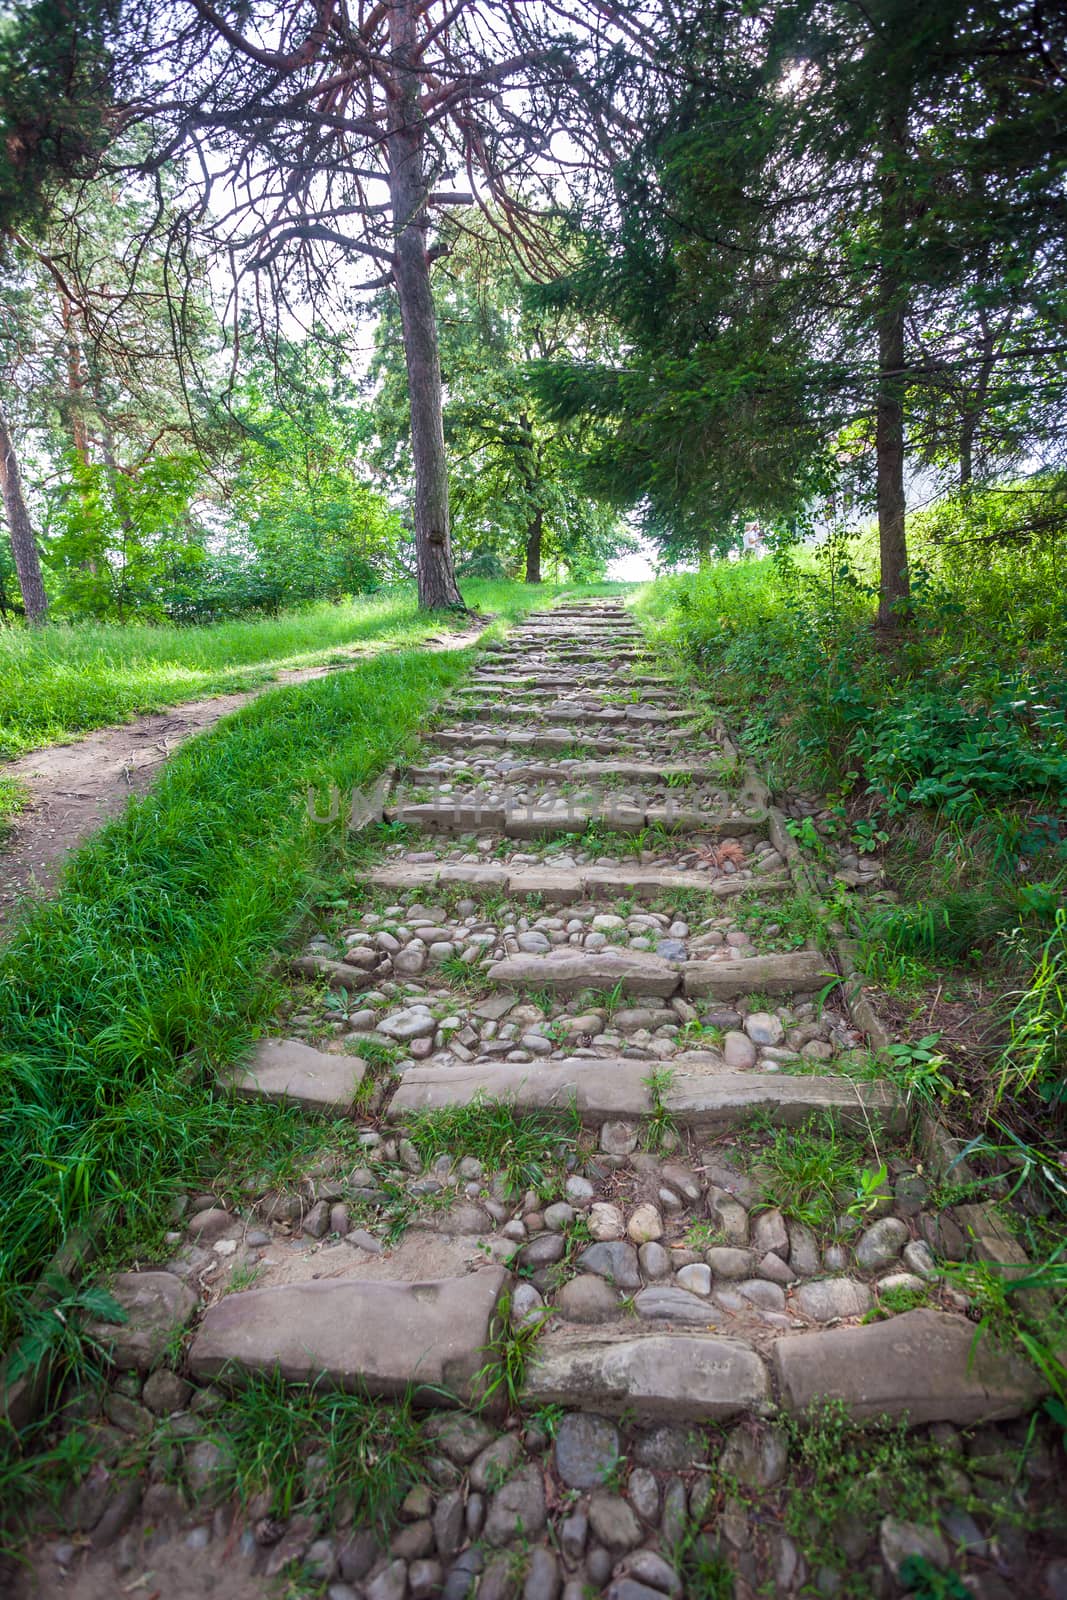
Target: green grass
x,y
812,1171
67,678
119,998
270,1428
529,1150
12,800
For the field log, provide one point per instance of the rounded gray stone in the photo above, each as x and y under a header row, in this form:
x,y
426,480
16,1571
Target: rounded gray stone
x,y
666,1304
654,1259
643,1491
758,1292
696,1278
649,1568
769,1233
775,1270
542,1575
756,1457
670,1448
898,1540
615,1260
614,1521
496,1462
527,1304
517,1509
727,1262
738,1051
880,1245
764,1028
803,1250
825,1299
579,1191
587,1450
587,1298
544,1251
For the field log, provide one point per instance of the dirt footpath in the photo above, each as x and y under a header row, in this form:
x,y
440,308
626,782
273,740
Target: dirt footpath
x,y
75,788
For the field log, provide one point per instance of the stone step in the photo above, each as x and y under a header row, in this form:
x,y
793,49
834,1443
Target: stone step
x,y
610,632
577,714
529,739
603,1090
288,1072
565,680
562,885
374,1337
580,655
433,1340
457,816
568,971
920,1367
792,972
543,689
590,772
676,1377
924,1365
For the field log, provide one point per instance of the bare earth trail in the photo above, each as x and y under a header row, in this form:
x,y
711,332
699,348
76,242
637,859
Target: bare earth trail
x,y
76,787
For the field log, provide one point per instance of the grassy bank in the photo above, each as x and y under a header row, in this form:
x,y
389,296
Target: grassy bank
x,y
65,679
940,751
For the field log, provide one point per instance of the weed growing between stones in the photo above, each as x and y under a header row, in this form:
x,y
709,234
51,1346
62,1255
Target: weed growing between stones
x,y
810,1173
794,922
500,1382
843,1478
1027,1306
530,1151
660,1131
286,1445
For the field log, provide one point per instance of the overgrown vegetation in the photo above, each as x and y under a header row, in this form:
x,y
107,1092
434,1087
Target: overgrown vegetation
x,y
944,752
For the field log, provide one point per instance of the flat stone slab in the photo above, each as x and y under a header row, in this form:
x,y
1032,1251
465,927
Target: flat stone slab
x,y
800,970
567,971
445,816
532,740
588,771
533,822
607,1089
925,1366
684,1377
284,1070
358,1334
562,885
596,1089
158,1307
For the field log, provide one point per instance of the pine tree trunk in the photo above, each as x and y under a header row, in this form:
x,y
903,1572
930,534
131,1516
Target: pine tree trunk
x,y
75,382
895,587
968,427
534,531
411,273
23,544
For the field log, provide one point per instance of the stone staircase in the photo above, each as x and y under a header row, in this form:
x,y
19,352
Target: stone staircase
x,y
670,1037
652,1323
